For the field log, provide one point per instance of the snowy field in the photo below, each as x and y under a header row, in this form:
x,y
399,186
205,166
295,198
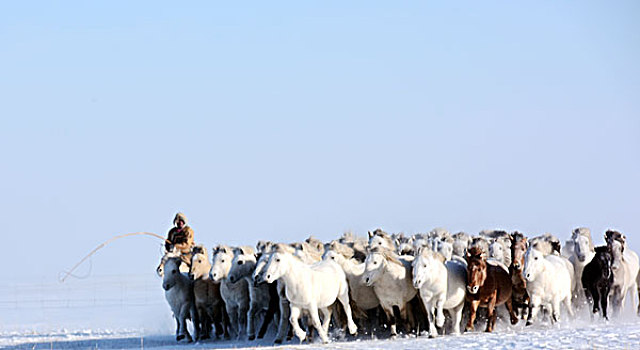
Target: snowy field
x,y
129,312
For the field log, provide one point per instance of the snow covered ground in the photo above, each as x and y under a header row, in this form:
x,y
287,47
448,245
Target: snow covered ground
x,y
614,335
129,312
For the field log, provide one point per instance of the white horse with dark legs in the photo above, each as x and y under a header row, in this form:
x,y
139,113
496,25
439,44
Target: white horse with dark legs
x,y
234,294
259,277
178,290
442,286
625,267
391,279
242,267
581,252
312,288
549,283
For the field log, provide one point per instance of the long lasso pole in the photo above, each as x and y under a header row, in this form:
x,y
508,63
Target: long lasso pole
x,y
68,273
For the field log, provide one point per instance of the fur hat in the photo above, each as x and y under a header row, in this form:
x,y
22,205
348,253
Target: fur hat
x,y
180,216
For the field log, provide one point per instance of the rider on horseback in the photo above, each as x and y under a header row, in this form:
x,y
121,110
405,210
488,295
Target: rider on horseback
x,y
180,238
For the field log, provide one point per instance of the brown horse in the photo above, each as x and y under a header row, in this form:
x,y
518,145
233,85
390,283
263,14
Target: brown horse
x,y
519,295
488,286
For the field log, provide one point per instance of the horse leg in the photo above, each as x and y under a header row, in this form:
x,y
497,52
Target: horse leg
x,y
569,306
344,300
251,316
271,311
604,291
391,319
491,312
242,320
534,307
179,336
510,308
195,319
326,318
473,309
283,325
457,317
315,320
555,310
293,319
430,318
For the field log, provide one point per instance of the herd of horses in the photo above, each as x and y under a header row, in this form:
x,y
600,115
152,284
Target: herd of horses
x,y
372,286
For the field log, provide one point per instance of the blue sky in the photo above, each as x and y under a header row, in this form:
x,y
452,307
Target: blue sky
x,y
283,119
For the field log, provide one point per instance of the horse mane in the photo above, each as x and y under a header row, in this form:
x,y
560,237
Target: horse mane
x,y
547,242
476,253
341,249
584,232
611,235
602,249
495,234
315,243
284,248
244,250
199,249
222,248
428,253
388,254
517,236
480,242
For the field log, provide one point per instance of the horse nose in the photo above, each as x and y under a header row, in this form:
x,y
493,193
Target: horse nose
x,y
517,266
528,275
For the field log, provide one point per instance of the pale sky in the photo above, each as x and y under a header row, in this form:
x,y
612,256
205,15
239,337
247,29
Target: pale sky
x,y
276,120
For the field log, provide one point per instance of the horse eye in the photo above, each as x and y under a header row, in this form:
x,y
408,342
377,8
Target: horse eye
x,y
277,260
536,258
222,260
425,265
240,262
173,271
375,263
200,260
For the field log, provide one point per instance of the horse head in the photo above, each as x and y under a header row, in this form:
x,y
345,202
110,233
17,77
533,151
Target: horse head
x,y
222,258
172,271
476,269
243,263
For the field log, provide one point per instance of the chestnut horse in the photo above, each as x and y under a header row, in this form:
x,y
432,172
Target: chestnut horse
x,y
488,286
519,296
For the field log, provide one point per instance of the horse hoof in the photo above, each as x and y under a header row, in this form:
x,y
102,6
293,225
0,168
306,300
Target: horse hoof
x,y
277,341
252,337
528,323
180,337
514,320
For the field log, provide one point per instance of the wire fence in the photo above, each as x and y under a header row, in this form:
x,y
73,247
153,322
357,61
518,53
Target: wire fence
x,y
129,300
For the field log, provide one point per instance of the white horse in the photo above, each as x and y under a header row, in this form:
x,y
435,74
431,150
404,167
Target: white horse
x,y
243,266
311,288
625,266
549,283
581,251
362,295
234,294
392,281
442,285
178,290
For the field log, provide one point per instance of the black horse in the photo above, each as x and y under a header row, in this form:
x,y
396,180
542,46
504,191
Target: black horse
x,y
597,279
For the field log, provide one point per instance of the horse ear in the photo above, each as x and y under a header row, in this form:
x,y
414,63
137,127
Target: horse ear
x,y
370,234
